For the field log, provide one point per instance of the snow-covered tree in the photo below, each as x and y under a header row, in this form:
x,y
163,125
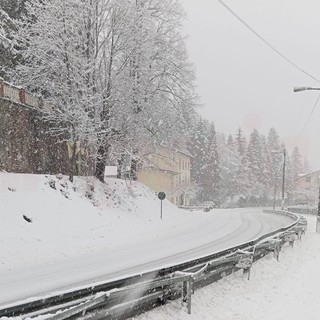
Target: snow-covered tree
x,y
230,163
267,172
240,142
10,15
296,163
213,168
158,86
55,41
275,151
255,164
243,172
198,147
289,180
205,169
116,72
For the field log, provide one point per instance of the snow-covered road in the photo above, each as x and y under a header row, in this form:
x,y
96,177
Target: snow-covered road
x,y
218,231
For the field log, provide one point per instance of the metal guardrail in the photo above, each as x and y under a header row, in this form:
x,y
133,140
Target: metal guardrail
x,y
130,296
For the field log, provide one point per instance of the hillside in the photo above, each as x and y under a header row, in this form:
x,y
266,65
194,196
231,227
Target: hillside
x,y
46,218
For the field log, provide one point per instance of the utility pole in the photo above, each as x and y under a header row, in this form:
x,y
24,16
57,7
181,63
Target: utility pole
x,y
283,177
318,215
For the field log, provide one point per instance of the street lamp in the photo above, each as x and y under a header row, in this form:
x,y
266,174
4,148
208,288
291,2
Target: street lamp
x,y
298,89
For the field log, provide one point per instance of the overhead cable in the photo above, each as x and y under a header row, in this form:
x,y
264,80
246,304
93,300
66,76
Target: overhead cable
x,y
268,43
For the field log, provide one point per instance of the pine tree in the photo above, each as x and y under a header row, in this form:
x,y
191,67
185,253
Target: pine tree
x,y
243,173
267,173
230,142
276,161
296,162
256,167
198,147
205,170
214,178
289,180
230,163
240,142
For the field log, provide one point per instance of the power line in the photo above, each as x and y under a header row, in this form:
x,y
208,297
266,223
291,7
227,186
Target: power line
x,y
268,43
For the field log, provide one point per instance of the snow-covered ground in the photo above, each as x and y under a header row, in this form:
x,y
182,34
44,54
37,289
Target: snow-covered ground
x,y
49,226
288,289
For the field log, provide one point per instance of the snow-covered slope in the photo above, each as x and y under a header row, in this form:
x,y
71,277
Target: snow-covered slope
x,y
72,219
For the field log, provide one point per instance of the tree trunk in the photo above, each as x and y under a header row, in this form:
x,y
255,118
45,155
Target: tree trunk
x,y
101,162
72,161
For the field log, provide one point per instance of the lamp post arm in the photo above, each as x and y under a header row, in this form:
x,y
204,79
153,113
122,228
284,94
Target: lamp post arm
x,y
298,89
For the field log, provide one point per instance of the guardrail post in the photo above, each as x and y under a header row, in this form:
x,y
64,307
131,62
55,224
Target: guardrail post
x,y
299,234
247,271
245,263
192,286
189,296
187,292
184,291
276,251
290,238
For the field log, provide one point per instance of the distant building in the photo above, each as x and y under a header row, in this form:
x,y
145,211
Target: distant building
x,y
307,186
168,170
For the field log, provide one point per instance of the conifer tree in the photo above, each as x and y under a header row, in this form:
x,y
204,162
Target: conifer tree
x,y
230,164
256,167
296,164
213,159
243,173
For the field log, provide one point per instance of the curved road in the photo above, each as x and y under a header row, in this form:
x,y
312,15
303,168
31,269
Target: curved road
x,y
222,230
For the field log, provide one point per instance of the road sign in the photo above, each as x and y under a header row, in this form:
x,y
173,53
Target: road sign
x,y
161,195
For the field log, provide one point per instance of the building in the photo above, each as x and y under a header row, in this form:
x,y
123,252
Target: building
x,y
307,186
168,170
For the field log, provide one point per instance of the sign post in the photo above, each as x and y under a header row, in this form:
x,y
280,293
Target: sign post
x,y
161,196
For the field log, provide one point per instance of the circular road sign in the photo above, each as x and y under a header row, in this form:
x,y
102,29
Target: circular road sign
x,y
161,195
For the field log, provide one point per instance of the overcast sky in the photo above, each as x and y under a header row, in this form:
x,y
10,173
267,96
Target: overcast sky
x,y
242,82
